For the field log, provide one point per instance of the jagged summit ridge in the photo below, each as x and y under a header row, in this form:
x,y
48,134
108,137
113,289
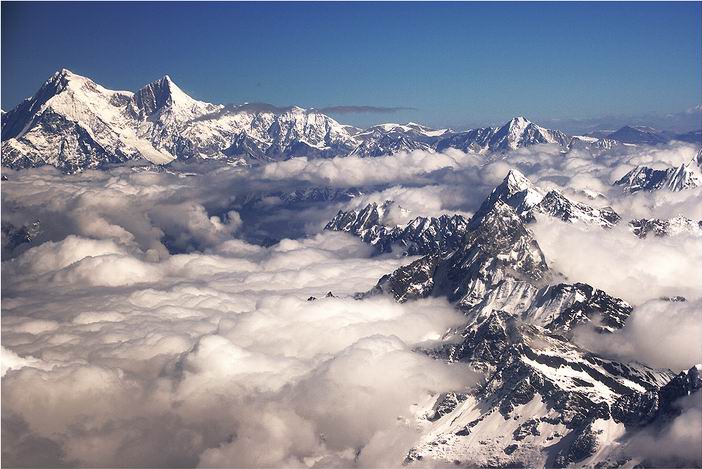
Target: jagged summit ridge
x,y
527,199
420,236
644,178
160,123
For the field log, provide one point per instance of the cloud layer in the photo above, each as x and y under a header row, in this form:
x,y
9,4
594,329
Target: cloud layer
x,y
214,358
142,326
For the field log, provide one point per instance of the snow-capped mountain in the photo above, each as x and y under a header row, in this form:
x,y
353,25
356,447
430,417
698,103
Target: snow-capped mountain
x,y
545,401
639,135
73,123
527,200
387,139
425,235
643,178
420,236
517,133
642,227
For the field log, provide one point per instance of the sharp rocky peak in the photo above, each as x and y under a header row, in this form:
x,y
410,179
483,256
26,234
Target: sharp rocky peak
x,y
644,178
159,94
519,122
516,191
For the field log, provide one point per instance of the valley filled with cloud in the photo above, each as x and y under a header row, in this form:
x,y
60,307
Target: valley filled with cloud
x,y
199,314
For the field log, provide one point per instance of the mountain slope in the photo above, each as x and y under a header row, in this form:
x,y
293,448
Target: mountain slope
x,y
639,135
643,178
420,236
517,133
545,401
73,123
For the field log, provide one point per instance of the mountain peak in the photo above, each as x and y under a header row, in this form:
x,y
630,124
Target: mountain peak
x,y
517,125
515,179
519,120
516,191
160,94
60,80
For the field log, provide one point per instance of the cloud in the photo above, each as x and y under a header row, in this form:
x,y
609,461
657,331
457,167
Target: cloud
x,y
356,171
143,327
192,358
621,264
678,443
660,333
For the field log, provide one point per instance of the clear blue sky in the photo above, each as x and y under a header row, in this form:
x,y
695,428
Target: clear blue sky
x,y
454,63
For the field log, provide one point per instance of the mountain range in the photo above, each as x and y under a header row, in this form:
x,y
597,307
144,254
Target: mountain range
x,y
73,123
545,401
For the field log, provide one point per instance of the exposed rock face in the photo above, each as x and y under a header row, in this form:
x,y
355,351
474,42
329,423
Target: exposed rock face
x,y
643,227
499,247
517,133
422,235
643,178
545,401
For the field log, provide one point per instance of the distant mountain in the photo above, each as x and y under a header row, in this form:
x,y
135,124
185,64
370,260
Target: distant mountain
x,y
643,135
387,139
422,235
642,227
639,135
517,133
690,137
643,178
593,145
74,124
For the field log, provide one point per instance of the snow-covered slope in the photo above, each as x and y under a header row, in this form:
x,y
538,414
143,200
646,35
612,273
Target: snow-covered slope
x,y
517,133
527,200
422,235
73,123
642,227
643,178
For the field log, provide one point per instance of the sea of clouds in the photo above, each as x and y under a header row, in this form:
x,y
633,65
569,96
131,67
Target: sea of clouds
x,y
161,317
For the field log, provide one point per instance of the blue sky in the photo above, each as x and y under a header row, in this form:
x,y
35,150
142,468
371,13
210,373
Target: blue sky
x,y
455,64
